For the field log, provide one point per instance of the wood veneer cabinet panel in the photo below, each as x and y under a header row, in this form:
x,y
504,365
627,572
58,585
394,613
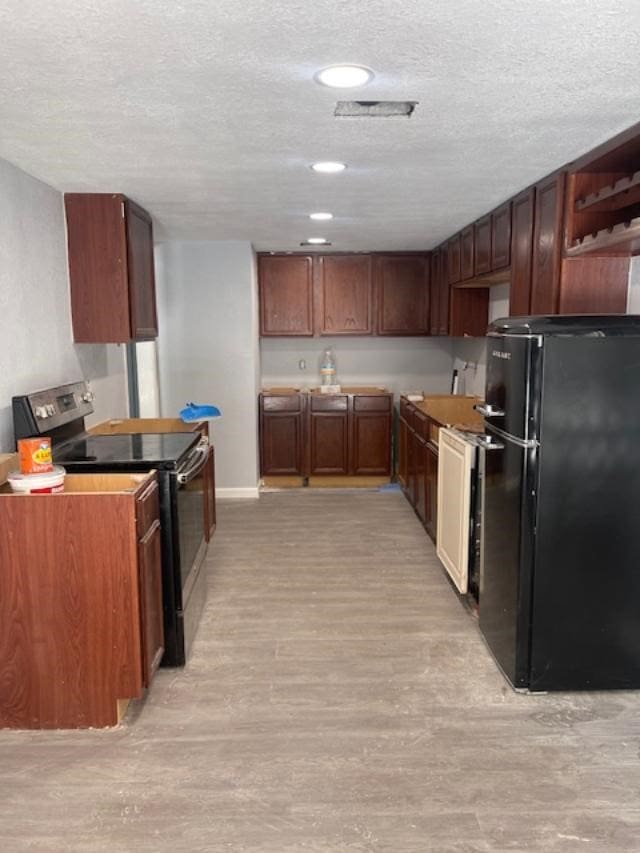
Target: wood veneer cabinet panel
x,y
482,249
112,284
521,253
209,476
431,491
149,559
547,245
281,434
286,295
434,293
467,253
371,435
70,609
454,259
469,312
142,284
345,295
328,442
402,285
501,237
444,295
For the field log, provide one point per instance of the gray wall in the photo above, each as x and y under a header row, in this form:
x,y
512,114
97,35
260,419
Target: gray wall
x,y
400,364
37,347
208,348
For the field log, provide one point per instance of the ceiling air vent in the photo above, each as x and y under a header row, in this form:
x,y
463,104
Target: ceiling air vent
x,y
375,109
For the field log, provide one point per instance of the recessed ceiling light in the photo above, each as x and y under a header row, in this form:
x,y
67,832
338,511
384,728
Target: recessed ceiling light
x,y
321,216
316,241
328,167
344,76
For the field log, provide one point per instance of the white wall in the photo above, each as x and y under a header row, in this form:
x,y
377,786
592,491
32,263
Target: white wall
x,y
208,348
400,364
37,346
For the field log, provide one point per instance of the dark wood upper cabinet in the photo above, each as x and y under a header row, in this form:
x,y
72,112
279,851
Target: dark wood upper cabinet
x,y
111,270
402,286
469,312
445,292
286,295
501,237
466,253
547,245
522,253
454,258
434,293
482,253
345,295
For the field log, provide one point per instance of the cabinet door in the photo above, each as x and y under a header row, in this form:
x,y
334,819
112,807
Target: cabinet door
x,y
521,254
501,237
547,245
482,253
328,442
466,253
285,285
402,453
345,295
142,286
431,491
209,477
454,249
371,435
420,495
151,618
281,435
444,295
469,312
97,252
434,293
402,284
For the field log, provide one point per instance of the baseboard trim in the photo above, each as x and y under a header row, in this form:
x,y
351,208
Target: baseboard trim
x,y
243,494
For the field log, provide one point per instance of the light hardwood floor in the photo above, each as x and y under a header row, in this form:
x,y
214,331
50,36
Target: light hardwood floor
x,y
339,698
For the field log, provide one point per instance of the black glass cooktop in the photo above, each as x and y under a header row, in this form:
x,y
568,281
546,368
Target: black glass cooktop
x,y
137,452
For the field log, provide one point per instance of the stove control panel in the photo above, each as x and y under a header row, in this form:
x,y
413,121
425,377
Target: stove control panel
x,y
45,411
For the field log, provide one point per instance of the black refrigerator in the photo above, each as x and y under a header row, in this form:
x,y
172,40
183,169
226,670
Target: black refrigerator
x,y
559,603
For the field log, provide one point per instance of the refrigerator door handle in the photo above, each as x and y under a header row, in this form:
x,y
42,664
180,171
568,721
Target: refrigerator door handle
x,y
489,411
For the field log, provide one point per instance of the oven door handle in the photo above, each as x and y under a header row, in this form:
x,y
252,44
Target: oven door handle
x,y
200,454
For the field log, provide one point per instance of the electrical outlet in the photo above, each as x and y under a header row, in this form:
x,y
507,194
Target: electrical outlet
x,y
302,364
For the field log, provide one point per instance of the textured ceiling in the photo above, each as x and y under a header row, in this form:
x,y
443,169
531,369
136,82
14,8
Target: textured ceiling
x,y
206,112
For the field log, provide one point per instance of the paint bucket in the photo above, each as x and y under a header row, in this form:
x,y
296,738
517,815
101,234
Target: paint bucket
x,y
38,484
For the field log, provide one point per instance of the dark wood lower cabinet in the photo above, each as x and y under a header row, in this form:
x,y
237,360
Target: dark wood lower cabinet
x,y
431,490
318,435
81,628
281,434
328,443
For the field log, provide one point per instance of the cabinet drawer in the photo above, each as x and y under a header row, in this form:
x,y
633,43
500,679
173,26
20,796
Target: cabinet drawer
x,y
285,403
329,403
147,509
377,403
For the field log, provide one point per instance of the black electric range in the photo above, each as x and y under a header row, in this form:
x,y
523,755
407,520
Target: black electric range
x,y
128,452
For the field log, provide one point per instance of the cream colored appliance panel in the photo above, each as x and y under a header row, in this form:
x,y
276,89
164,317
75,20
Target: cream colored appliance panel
x,y
455,465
